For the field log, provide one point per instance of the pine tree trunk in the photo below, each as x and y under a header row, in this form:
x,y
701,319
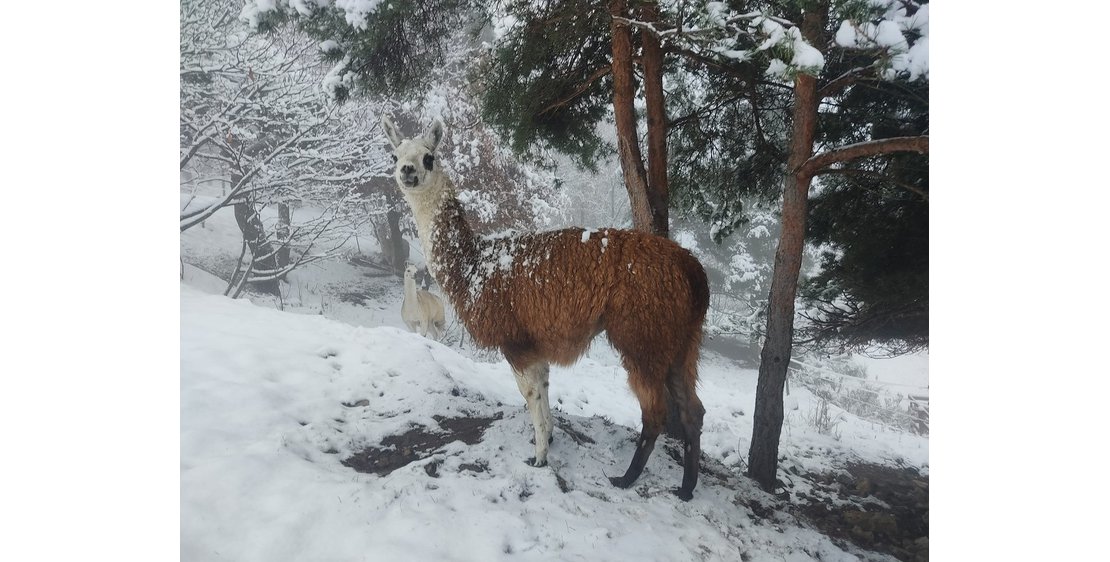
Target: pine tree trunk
x,y
628,144
657,194
775,358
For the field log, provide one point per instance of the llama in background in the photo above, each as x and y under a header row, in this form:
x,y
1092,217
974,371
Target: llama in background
x,y
541,298
422,311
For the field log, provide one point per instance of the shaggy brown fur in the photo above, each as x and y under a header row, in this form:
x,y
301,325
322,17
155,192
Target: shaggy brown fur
x,y
558,292
647,292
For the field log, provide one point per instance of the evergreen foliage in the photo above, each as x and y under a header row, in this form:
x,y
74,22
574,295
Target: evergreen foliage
x,y
540,83
728,146
873,286
389,52
872,219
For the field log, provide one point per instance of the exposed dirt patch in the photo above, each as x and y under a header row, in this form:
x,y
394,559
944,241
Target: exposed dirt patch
x,y
574,434
478,467
880,508
357,294
418,443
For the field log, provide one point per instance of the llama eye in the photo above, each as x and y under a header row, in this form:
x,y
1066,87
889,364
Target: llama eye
x,y
428,159
394,157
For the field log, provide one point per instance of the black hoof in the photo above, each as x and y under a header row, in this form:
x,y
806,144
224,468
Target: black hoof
x,y
532,462
684,495
619,481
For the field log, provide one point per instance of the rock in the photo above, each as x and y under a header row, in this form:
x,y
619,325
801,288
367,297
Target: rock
x,y
864,487
861,534
883,523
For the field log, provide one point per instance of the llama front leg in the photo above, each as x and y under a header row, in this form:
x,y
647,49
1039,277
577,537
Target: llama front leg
x,y
533,382
543,371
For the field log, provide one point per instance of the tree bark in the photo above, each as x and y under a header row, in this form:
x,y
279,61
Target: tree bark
x,y
818,163
400,252
657,195
284,220
262,252
628,144
763,458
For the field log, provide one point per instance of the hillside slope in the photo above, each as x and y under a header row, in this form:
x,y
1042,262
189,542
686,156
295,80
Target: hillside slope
x,y
273,404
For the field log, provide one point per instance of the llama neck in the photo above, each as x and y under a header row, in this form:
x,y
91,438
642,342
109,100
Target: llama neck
x,y
410,289
426,205
450,247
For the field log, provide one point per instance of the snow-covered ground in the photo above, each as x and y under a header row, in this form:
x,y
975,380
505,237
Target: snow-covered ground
x,y
266,420
272,402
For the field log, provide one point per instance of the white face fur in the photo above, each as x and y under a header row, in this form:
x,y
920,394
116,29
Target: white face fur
x,y
415,159
410,272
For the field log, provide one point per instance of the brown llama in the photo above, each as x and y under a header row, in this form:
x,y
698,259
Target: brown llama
x,y
542,297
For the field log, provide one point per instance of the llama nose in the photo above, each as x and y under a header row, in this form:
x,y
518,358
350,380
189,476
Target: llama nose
x,y
408,170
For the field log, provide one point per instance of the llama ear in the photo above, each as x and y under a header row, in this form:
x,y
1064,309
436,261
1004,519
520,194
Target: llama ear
x,y
434,133
391,131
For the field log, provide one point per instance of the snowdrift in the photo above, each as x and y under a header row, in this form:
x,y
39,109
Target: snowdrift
x,y
273,405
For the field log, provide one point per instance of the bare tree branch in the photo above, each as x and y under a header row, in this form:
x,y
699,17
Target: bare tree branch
x,y
859,150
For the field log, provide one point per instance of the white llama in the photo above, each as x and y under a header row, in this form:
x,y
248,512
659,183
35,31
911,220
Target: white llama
x,y
422,311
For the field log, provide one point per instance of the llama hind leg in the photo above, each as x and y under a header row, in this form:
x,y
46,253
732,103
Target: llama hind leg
x,y
653,409
533,384
691,413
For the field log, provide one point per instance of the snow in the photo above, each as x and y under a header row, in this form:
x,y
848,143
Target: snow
x,y
916,61
909,372
264,426
773,31
889,33
846,34
777,68
806,56
338,77
686,239
718,12
356,11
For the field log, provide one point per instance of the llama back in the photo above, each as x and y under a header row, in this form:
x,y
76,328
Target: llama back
x,y
559,289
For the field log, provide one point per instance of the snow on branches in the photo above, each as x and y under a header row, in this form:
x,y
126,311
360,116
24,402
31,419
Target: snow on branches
x,y
260,135
897,30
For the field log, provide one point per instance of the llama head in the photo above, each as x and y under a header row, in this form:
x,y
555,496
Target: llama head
x,y
415,163
410,271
